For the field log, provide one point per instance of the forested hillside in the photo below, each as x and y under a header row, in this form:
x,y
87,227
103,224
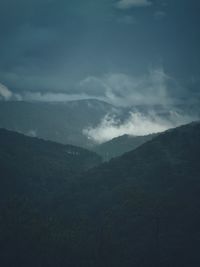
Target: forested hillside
x,y
120,145
141,209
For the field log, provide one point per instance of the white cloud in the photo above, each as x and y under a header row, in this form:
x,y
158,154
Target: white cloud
x,y
123,90
32,133
5,93
8,95
126,4
119,89
52,97
137,124
129,20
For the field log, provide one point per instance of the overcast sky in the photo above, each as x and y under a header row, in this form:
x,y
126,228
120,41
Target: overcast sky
x,y
77,46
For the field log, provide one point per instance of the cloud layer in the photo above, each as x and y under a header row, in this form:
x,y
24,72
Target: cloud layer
x,y
47,44
126,4
152,100
137,124
154,88
5,93
52,97
118,89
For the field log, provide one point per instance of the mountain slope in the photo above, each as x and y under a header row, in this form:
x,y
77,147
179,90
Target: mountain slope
x,y
147,202
120,145
41,162
35,176
141,209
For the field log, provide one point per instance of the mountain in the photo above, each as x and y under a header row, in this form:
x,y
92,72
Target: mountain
x,y
35,175
120,145
65,122
146,203
40,162
60,122
140,209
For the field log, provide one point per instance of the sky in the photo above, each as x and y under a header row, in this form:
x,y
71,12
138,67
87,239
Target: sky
x,y
121,51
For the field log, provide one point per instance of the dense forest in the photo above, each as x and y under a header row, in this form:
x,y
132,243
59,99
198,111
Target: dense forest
x,y
61,207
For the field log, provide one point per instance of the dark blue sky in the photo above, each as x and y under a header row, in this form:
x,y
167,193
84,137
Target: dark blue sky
x,y
54,45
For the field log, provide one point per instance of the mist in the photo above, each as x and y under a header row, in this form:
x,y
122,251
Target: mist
x,y
140,96
5,93
137,124
155,87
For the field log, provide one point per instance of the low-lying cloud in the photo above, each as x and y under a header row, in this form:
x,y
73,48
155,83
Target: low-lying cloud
x,y
155,102
5,93
153,88
118,89
137,124
29,96
52,97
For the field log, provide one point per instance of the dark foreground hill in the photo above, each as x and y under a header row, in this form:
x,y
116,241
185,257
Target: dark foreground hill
x,y
120,145
141,209
34,178
33,163
147,202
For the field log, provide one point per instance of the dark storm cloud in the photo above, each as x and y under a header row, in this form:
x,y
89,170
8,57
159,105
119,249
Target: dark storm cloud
x,y
51,46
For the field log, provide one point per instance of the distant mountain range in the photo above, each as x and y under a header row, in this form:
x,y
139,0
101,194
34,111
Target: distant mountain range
x,y
120,145
65,122
140,209
60,122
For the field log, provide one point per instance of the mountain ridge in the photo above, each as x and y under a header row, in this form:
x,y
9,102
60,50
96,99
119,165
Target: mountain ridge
x,y
140,209
120,145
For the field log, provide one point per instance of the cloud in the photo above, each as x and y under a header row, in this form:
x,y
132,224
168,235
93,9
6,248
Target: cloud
x,y
154,88
52,97
137,124
31,96
32,133
159,15
118,89
5,93
126,4
129,20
